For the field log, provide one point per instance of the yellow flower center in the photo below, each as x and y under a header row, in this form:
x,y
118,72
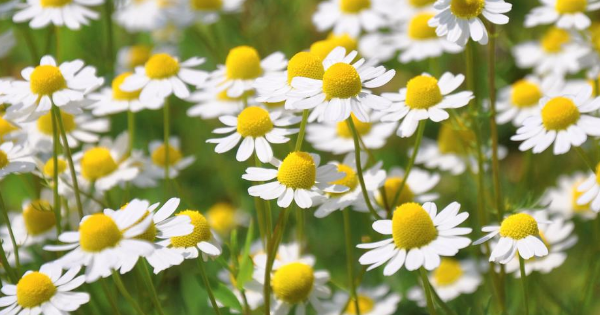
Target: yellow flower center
x,y
44,123
322,48
159,156
467,9
451,141
292,283
38,217
254,121
560,113
354,6
3,159
201,232
525,94
341,81
391,187
97,163
34,289
365,305
138,55
420,3
419,29
54,3
576,194
412,226
570,6
46,79
305,64
519,226
297,171
121,95
350,180
99,232
208,5
222,217
161,66
243,62
5,128
448,272
49,167
344,131
423,92
554,39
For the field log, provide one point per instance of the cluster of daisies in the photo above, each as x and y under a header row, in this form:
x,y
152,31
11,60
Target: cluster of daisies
x,y
56,116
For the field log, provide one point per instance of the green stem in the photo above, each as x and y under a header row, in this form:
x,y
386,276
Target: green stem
x,y
361,179
586,159
207,285
524,283
411,162
350,259
108,7
298,146
57,37
300,228
9,270
131,130
263,212
69,159
109,296
272,246
428,295
121,287
56,144
24,29
151,288
166,131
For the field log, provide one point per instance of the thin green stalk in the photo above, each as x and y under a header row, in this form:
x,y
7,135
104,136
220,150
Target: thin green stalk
x,y
57,38
524,283
130,130
211,296
586,159
441,302
166,131
427,288
109,296
56,144
298,146
24,29
148,279
121,287
300,228
263,214
272,246
411,162
63,133
12,236
350,259
361,179
110,46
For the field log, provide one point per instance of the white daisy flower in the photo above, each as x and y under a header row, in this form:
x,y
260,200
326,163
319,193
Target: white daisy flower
x,y
417,188
298,178
561,120
113,100
294,282
177,162
45,171
460,20
567,14
163,75
590,190
419,237
518,233
351,16
322,48
47,84
206,11
258,128
337,137
374,178
142,16
242,67
70,13
147,177
343,89
451,279
47,291
371,301
223,217
425,98
35,224
558,52
8,43
210,104
562,200
14,158
106,164
106,240
131,57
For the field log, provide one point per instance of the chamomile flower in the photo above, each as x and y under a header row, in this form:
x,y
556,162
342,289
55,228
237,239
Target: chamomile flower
x,y
337,137
242,67
45,171
48,84
460,20
563,199
206,11
451,279
177,162
563,120
210,104
131,57
106,164
520,100
258,128
142,16
322,48
112,100
35,224
70,13
343,89
8,43
590,190
147,176
417,187
351,16
425,98
15,158
567,14
223,217
419,237
558,52
163,75
518,233
47,291
294,282
371,301
106,240
373,177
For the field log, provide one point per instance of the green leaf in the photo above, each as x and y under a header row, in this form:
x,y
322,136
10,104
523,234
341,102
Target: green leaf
x,y
246,266
224,295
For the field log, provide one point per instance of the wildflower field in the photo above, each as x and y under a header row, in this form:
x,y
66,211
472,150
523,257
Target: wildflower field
x,y
330,157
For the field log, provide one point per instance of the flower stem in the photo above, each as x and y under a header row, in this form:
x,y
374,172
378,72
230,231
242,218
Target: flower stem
x,y
350,259
9,270
524,283
300,237
24,29
427,288
56,144
166,131
211,296
108,7
411,162
63,134
121,287
272,246
359,170
298,146
148,279
131,130
109,296
586,159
